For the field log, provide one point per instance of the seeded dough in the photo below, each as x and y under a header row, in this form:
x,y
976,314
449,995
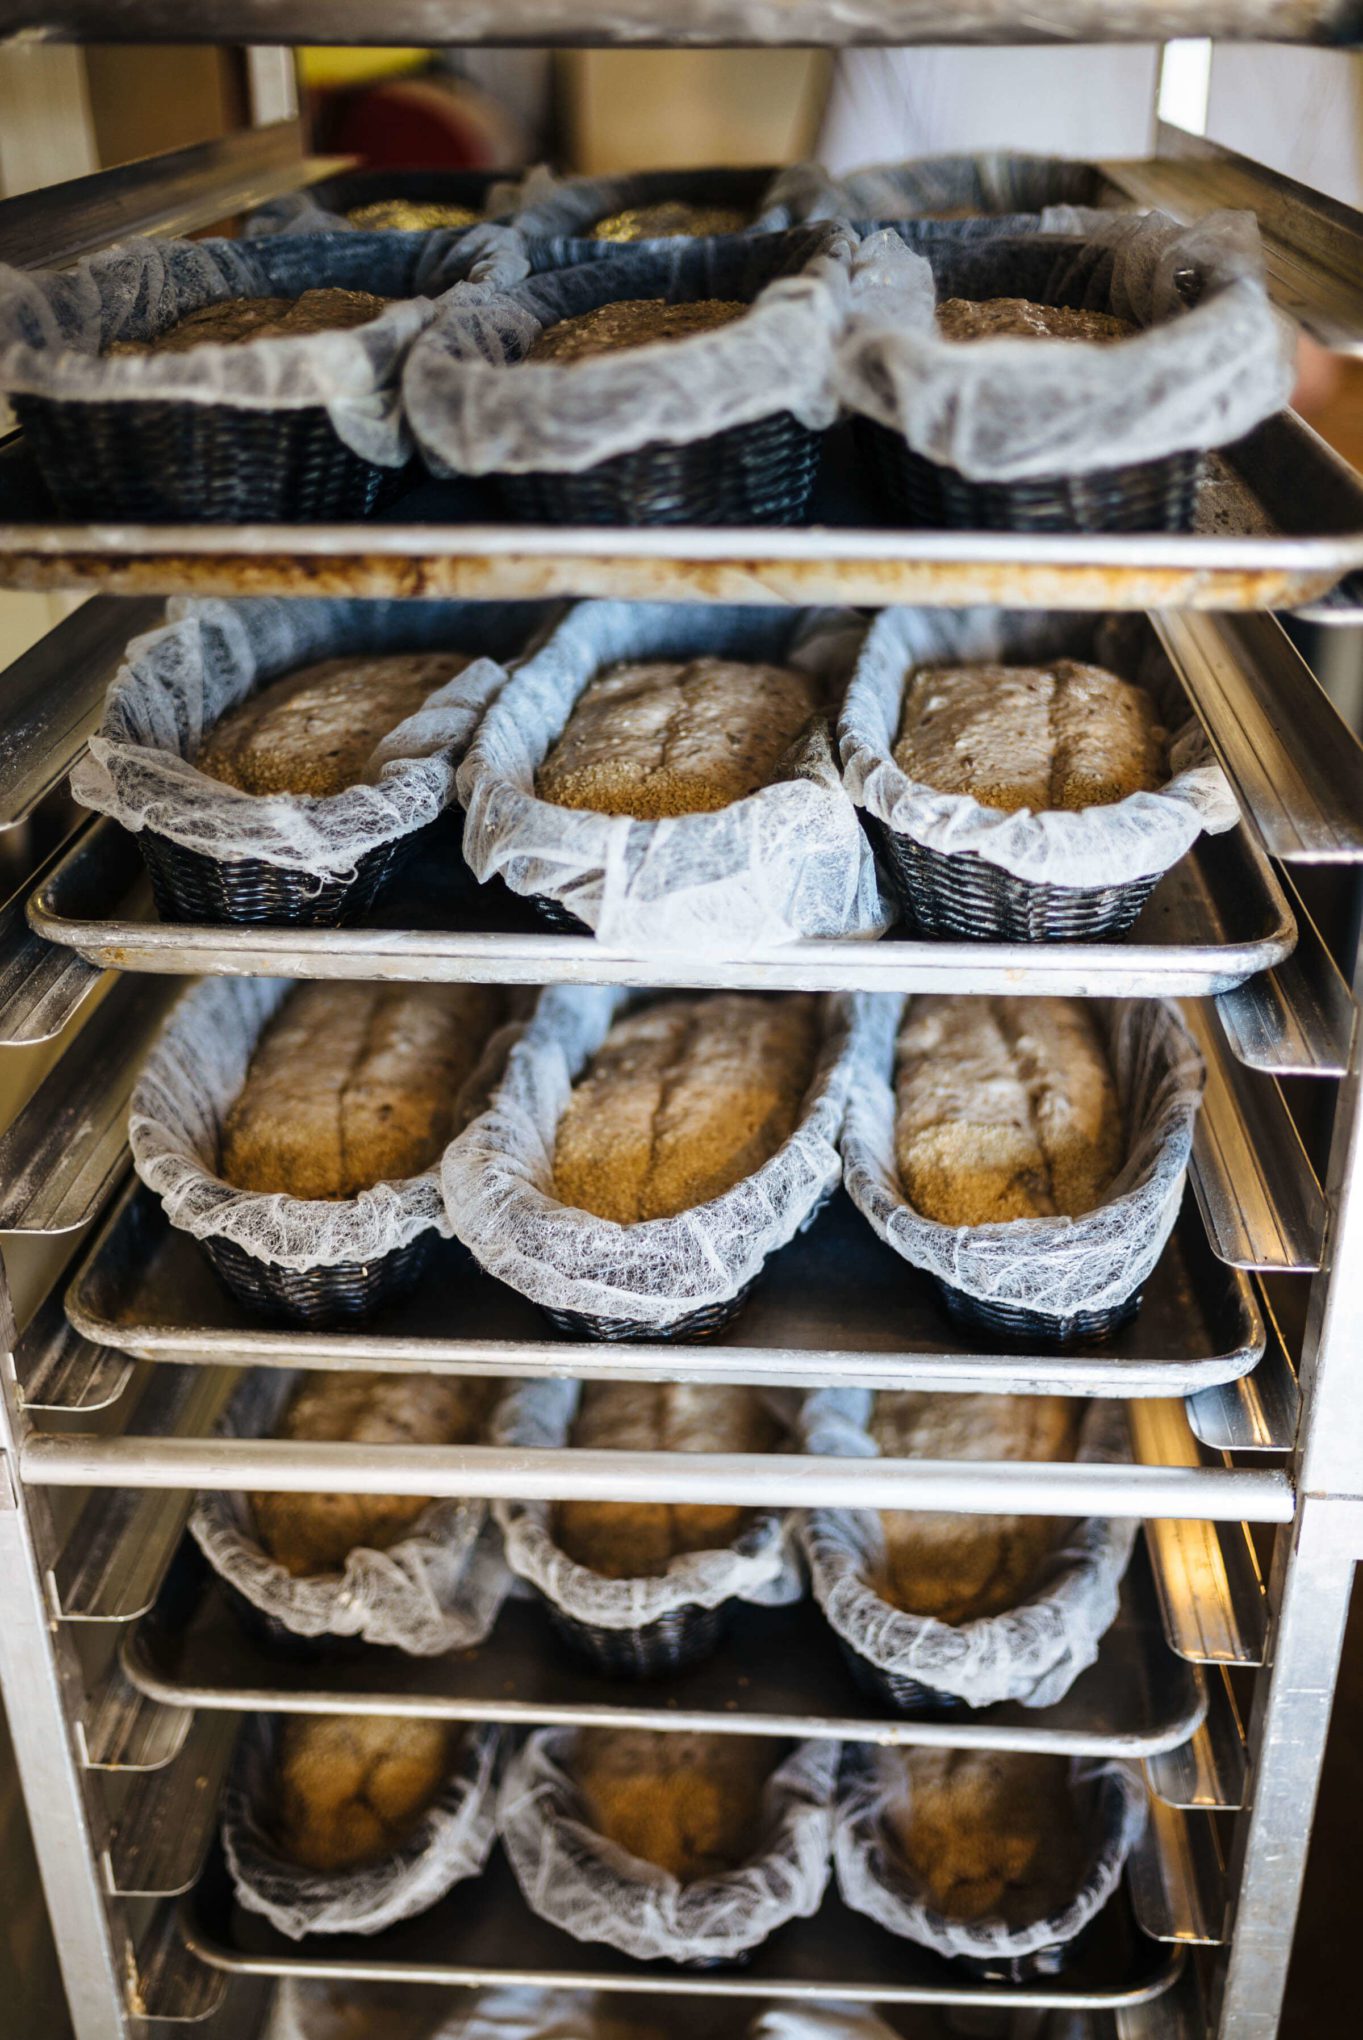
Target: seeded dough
x,y
353,1786
671,216
410,215
314,731
353,1085
232,321
1066,735
637,1540
681,1101
988,1834
631,322
1005,1108
653,738
689,1803
315,1533
980,319
962,1568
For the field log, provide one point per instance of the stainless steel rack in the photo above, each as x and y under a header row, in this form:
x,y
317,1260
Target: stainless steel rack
x,y
124,1672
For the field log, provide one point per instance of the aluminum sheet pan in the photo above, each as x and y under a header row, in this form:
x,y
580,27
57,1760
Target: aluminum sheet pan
x,y
693,23
778,1672
1280,525
837,1304
484,1933
1218,918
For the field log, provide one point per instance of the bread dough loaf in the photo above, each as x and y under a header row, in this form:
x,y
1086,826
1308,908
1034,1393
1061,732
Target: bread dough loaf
x,y
353,1085
1063,736
638,1540
314,731
669,217
652,739
353,1786
1020,318
961,1568
987,1834
1005,1108
410,215
309,1534
689,1803
631,322
682,1100
230,322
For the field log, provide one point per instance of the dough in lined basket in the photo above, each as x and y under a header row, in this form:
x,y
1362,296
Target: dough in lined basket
x,y
353,1786
233,322
987,1834
689,1803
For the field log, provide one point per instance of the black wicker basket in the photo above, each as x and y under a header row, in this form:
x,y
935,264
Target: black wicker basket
x,y
706,1322
317,1297
1152,495
558,917
1018,1325
189,885
760,473
154,460
650,1652
892,1689
965,897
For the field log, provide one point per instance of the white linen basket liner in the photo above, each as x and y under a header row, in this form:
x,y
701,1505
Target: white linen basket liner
x,y
306,2009
1031,1653
497,1178
786,862
1008,408
758,1566
437,1588
176,682
1059,1266
54,325
874,1881
1137,837
452,1841
478,408
578,1880
189,1081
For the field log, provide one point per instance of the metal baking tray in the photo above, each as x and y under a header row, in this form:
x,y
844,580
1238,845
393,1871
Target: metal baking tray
x,y
697,23
1280,525
836,1304
484,1933
1216,919
778,1671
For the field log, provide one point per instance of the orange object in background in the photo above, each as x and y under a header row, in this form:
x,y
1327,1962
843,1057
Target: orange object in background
x,y
433,122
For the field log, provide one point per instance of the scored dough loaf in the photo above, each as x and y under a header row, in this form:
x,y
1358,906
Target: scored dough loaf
x,y
309,1534
353,1786
988,1834
231,322
962,1568
656,738
1021,318
353,1085
315,730
682,1100
638,1540
687,1802
631,322
1063,736
1004,1109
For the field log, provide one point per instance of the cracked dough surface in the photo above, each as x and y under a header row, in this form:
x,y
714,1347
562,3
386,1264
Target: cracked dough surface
x,y
638,1540
1022,318
959,1568
1004,1109
315,730
657,738
682,1100
315,1533
690,1803
353,1786
1040,738
230,322
353,1085
631,322
988,1834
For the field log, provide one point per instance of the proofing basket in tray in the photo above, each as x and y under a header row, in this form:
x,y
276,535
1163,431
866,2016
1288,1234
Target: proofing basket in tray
x,y
692,431
317,1297
705,1323
669,1644
968,899
189,886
